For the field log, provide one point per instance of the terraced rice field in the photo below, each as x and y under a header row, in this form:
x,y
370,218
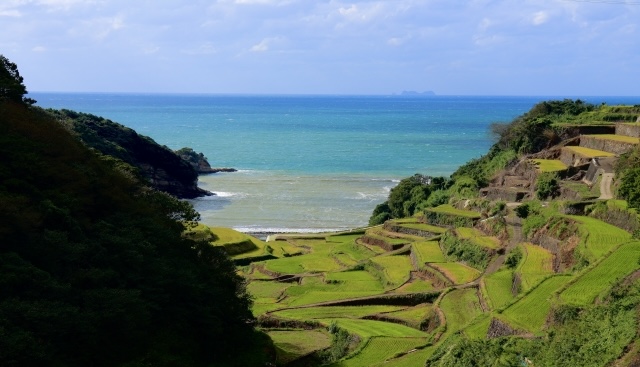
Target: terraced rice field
x,y
621,138
498,287
588,152
415,358
267,289
347,312
536,264
448,209
460,306
381,349
428,252
371,328
424,227
416,285
396,268
478,238
413,316
530,312
303,264
315,289
599,279
549,165
478,328
291,345
599,238
457,272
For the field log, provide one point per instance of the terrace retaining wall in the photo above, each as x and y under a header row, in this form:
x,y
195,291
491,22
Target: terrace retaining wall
x,y
611,146
632,130
391,227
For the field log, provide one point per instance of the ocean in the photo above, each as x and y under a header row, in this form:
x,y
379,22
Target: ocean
x,y
308,163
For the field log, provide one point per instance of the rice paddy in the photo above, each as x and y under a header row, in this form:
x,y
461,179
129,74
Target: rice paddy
x,y
600,278
338,280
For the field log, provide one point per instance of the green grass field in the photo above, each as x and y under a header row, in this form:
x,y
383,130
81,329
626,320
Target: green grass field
x,y
381,349
549,165
428,252
498,287
599,279
530,312
293,344
536,264
458,273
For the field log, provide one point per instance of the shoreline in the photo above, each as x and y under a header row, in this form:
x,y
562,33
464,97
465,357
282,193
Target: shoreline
x,y
269,236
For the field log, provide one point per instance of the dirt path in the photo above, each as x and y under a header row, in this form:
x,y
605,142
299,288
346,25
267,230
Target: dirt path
x,y
605,186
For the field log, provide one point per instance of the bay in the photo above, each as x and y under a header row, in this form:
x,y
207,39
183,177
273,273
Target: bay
x,y
308,163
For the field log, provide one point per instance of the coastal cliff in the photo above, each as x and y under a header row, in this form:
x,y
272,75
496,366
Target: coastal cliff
x,y
159,166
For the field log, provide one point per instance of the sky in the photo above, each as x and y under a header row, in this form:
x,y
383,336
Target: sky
x,y
451,47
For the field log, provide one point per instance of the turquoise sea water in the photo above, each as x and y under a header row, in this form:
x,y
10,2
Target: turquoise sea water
x,y
308,163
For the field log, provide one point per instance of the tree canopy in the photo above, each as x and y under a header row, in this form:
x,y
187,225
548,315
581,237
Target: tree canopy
x,y
11,83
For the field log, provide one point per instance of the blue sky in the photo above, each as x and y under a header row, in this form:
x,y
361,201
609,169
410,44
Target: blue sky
x,y
476,47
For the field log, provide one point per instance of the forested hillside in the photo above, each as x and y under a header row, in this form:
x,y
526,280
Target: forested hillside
x,y
95,268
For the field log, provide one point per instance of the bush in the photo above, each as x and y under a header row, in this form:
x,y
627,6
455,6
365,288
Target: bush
x,y
548,185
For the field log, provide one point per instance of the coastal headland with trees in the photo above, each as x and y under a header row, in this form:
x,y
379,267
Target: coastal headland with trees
x,y
526,256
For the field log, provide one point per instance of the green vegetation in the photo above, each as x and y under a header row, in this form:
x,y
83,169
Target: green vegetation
x,y
537,264
458,273
99,269
548,185
95,268
381,349
599,279
499,287
465,250
293,344
428,252
530,312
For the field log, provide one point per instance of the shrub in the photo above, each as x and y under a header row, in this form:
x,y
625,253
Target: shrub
x,y
548,185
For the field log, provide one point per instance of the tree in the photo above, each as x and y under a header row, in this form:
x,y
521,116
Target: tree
x,y
11,87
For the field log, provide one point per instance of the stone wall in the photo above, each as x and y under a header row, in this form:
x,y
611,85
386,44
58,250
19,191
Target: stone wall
x,y
611,146
571,158
628,130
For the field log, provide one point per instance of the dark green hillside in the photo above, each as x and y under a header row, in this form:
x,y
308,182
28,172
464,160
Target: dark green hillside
x,y
160,166
95,270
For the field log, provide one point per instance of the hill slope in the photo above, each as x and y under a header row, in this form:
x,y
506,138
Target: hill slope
x,y
95,270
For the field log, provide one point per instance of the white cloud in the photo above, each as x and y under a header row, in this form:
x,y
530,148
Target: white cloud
x,y
539,18
65,4
10,13
265,44
39,49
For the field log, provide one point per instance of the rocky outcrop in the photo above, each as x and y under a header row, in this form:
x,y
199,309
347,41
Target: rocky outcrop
x,y
498,328
199,162
162,168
